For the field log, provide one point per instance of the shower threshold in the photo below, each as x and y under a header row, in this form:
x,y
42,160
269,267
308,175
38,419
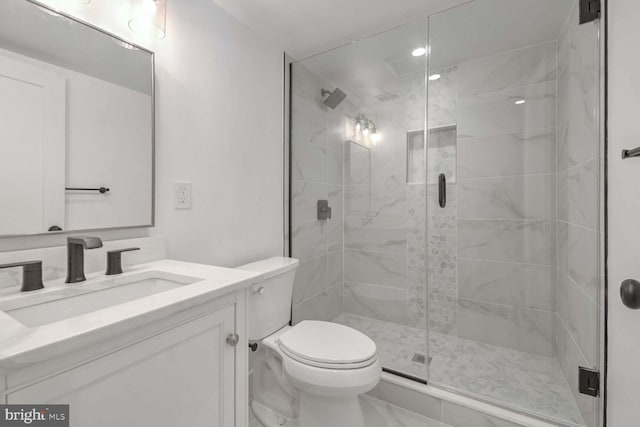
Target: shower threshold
x,y
524,382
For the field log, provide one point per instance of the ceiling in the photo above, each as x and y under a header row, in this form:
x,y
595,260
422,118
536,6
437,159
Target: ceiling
x,y
307,27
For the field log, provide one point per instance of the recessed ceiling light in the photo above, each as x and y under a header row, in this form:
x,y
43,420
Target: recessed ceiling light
x,y
520,101
419,51
433,77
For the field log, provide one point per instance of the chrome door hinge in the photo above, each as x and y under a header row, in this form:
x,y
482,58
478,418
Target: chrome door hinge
x,y
589,10
589,381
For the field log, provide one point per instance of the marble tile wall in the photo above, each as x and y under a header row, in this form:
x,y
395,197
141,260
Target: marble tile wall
x,y
384,234
502,289
578,210
317,136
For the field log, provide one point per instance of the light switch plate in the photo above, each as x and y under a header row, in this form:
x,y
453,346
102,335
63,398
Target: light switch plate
x,y
182,195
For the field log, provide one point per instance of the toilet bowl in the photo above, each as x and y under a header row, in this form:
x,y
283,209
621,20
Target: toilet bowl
x,y
310,374
330,366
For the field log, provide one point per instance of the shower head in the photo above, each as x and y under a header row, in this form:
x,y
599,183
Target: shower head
x,y
334,99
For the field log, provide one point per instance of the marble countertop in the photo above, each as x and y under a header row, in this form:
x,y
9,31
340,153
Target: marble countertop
x,y
21,346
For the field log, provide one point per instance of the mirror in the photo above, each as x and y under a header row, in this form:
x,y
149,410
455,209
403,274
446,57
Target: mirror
x,y
76,125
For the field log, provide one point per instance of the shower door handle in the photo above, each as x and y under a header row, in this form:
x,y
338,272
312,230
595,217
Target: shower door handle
x,y
442,190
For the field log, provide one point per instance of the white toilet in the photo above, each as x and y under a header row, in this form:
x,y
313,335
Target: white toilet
x,y
310,374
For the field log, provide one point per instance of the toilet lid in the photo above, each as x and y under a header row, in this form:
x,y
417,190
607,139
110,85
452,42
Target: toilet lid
x,y
327,342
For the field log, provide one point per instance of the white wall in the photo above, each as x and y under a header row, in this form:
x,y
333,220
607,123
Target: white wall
x,y
219,125
624,209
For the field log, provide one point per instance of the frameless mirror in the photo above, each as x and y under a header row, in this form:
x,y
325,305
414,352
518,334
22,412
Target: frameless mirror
x,y
76,125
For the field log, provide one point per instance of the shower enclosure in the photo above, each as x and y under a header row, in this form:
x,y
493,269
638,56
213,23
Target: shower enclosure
x,y
444,193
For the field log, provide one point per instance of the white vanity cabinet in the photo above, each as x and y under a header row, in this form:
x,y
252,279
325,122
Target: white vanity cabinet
x,y
180,372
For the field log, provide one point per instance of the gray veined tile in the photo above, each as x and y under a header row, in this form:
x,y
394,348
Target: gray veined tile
x,y
311,279
335,197
516,68
309,162
423,404
521,285
579,132
308,121
335,237
582,258
570,356
325,306
377,199
335,268
378,302
357,163
521,329
516,197
388,269
585,55
497,114
461,416
309,239
526,241
334,167
306,84
505,155
305,196
579,315
578,190
378,413
443,98
376,234
336,130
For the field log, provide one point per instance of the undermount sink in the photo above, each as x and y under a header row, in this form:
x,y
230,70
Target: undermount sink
x,y
85,298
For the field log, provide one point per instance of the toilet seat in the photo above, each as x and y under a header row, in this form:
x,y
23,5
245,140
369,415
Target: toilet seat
x,y
327,345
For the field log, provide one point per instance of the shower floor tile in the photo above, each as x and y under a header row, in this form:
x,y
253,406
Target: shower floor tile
x,y
527,382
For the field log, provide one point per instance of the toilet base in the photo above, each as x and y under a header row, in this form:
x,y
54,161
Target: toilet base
x,y
269,418
321,411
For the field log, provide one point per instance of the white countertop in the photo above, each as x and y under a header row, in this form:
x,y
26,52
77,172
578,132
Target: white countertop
x,y
21,346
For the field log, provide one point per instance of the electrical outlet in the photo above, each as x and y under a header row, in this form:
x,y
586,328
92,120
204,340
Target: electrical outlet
x,y
183,195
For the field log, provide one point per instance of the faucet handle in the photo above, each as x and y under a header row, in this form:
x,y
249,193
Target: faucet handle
x,y
114,260
31,274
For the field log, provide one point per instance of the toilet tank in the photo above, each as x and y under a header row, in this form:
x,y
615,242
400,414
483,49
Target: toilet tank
x,y
270,300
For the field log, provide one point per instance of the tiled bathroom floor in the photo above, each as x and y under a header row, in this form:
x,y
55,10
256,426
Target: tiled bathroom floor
x,y
527,382
381,414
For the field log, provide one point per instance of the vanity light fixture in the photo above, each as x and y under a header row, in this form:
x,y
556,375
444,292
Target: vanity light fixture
x,y
149,17
419,51
365,131
434,77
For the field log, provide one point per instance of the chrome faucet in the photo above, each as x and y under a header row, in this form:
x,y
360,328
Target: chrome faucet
x,y
75,256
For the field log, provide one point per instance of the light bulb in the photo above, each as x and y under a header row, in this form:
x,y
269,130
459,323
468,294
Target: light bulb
x,y
419,51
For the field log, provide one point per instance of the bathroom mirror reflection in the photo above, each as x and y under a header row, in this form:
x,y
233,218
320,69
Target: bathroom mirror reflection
x,y
76,125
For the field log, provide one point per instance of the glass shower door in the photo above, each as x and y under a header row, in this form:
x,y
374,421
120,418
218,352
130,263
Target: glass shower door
x,y
365,155
513,205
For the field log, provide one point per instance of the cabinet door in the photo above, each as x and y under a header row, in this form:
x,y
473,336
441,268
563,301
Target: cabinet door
x,y
182,377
